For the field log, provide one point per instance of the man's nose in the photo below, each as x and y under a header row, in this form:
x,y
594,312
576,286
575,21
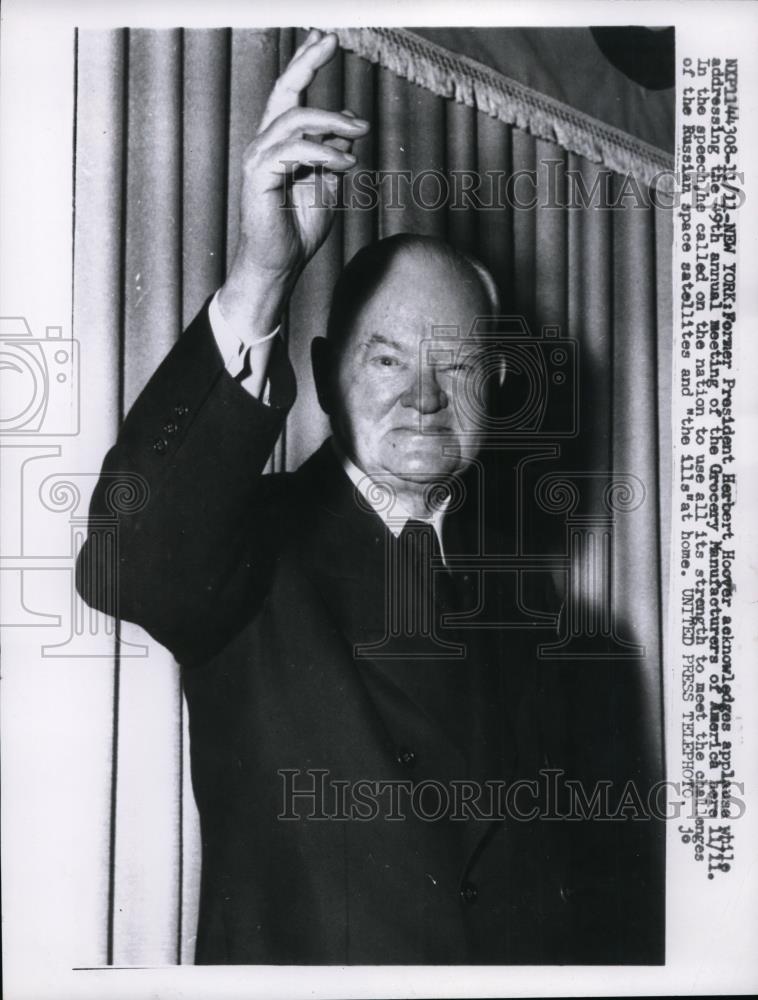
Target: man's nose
x,y
425,394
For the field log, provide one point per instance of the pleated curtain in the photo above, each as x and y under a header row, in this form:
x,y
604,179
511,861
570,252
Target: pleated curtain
x,y
162,119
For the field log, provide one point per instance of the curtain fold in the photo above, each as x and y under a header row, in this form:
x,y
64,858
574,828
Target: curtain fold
x,y
635,443
205,157
101,81
163,118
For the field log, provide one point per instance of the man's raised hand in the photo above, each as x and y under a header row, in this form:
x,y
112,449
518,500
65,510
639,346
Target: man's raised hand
x,y
290,182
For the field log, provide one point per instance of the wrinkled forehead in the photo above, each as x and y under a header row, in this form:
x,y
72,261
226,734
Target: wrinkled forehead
x,y
424,300
436,346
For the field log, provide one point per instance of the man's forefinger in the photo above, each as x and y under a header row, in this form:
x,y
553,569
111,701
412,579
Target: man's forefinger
x,y
299,74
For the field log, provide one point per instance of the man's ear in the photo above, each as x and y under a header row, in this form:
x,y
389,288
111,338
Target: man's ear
x,y
322,361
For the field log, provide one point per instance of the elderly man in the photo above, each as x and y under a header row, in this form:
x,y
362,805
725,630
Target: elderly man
x,y
319,615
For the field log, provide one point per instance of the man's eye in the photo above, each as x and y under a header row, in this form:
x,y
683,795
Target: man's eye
x,y
457,368
386,361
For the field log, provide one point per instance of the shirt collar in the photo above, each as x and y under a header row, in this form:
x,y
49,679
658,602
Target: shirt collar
x,y
400,515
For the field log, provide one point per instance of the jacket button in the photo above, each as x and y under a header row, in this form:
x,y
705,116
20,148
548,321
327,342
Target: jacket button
x,y
181,410
170,428
159,445
405,757
469,892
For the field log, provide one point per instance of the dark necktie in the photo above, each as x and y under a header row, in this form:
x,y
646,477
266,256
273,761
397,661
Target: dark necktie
x,y
465,694
421,555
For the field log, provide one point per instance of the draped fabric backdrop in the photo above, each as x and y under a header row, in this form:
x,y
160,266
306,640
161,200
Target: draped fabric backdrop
x,y
162,119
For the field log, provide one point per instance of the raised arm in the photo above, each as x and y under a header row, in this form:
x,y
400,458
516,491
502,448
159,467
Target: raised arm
x,y
291,176
194,556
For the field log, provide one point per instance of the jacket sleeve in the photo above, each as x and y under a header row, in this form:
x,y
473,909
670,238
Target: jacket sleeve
x,y
187,558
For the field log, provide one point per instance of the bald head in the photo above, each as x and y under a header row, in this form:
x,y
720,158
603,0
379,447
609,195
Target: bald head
x,y
411,263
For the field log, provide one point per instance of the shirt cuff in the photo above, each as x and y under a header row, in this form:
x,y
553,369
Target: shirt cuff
x,y
234,347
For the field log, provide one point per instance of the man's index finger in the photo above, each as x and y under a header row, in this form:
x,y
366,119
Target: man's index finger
x,y
299,74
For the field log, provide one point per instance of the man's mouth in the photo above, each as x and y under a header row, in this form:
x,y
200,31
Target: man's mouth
x,y
422,432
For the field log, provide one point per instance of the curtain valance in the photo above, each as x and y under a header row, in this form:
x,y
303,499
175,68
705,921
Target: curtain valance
x,y
456,76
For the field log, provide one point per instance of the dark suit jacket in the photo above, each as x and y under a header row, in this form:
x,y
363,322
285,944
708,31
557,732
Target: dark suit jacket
x,y
262,586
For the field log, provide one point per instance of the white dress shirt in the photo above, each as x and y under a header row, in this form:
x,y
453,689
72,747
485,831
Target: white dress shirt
x,y
234,346
397,515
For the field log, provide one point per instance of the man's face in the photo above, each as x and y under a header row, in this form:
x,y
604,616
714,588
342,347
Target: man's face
x,y
399,409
